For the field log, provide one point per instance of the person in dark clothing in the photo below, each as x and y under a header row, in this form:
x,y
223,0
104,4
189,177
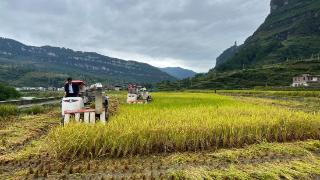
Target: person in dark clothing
x,y
71,90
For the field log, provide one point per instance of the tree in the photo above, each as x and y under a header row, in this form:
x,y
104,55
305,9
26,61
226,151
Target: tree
x,y
7,92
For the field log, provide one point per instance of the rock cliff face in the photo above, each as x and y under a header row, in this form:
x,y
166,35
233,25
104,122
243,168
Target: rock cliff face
x,y
291,31
276,4
227,54
269,57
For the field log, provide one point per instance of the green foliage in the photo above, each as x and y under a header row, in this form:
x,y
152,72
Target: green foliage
x,y
33,110
280,74
7,92
227,54
249,56
8,110
42,94
290,32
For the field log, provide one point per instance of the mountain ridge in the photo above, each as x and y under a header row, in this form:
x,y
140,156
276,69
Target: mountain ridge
x,y
291,30
89,65
178,72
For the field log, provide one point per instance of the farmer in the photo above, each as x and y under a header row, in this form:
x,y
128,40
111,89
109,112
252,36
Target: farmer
x,y
71,90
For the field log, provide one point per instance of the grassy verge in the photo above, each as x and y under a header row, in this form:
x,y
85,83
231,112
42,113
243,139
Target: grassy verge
x,y
8,110
42,94
33,110
184,122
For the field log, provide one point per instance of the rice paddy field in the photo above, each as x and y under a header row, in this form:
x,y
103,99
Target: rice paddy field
x,y
177,122
313,93
179,135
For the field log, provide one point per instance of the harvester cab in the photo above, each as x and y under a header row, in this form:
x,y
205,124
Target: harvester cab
x,y
90,104
138,94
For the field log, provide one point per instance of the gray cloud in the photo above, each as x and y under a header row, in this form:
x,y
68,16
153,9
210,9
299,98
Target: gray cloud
x,y
187,33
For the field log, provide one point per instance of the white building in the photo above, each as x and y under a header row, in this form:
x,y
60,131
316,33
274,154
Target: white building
x,y
117,88
306,80
60,89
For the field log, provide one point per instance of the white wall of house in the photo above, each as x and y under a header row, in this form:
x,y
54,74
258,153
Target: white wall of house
x,y
300,84
304,80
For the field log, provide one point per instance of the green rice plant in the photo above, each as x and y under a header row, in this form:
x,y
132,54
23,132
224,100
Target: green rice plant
x,y
42,94
33,110
184,122
8,110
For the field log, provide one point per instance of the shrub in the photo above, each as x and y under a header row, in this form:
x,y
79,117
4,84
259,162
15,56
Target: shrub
x,y
7,92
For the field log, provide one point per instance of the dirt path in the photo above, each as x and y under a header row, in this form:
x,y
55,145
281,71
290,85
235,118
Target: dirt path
x,y
52,102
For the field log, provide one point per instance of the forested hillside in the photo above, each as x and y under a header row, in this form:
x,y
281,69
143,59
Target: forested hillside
x,y
22,65
291,31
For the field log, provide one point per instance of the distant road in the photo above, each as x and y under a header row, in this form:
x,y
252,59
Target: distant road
x,y
40,104
23,103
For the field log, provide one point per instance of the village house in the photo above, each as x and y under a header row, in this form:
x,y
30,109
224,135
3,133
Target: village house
x,y
306,80
60,89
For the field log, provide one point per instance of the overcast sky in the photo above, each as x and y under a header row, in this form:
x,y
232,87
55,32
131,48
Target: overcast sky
x,y
185,33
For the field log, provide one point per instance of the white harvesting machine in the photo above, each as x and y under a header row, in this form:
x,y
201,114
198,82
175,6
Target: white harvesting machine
x,y
79,107
138,94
